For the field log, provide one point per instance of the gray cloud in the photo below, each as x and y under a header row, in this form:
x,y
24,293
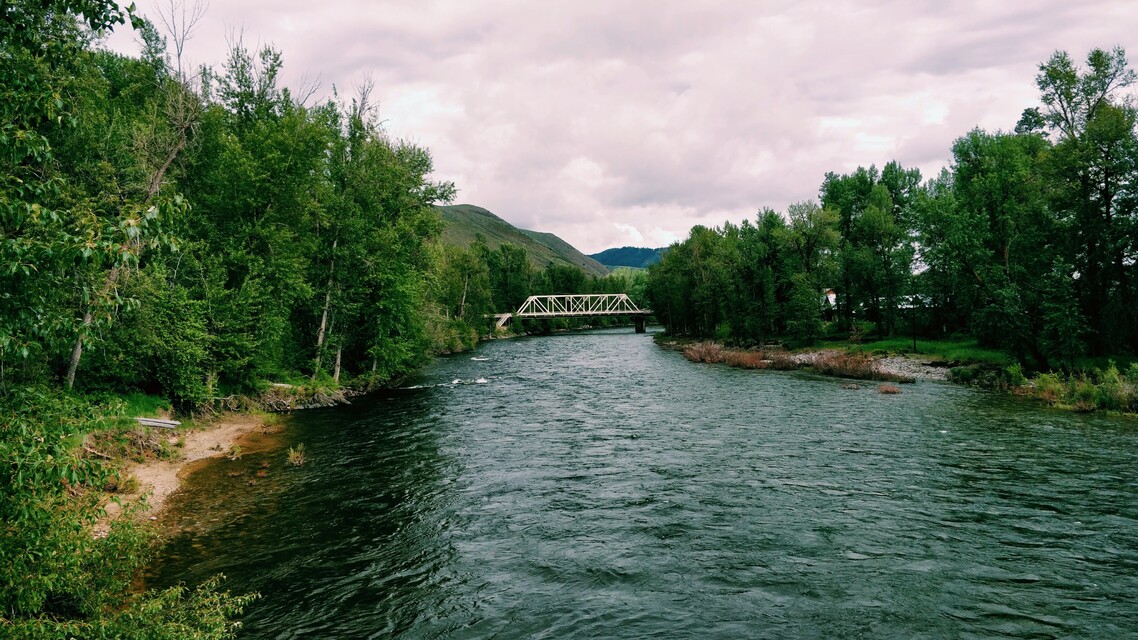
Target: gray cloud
x,y
617,123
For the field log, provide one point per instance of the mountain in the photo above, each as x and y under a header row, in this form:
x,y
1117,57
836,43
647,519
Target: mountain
x,y
461,222
635,257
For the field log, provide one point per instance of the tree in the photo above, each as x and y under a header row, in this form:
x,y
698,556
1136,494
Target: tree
x,y
876,248
1095,164
1000,237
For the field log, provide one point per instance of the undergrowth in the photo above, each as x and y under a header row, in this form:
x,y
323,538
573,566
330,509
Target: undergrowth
x,y
1095,389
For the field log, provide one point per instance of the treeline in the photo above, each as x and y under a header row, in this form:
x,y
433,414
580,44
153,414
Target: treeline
x,y
193,241
1028,242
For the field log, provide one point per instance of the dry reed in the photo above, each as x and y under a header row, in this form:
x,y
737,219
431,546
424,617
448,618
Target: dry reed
x,y
854,365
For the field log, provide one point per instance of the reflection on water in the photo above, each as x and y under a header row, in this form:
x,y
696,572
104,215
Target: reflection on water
x,y
592,485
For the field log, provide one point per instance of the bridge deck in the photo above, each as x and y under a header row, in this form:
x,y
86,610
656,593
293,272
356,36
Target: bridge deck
x,y
593,304
570,306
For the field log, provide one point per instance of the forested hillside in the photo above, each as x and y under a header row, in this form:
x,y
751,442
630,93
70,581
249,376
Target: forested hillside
x,y
1028,242
635,257
463,224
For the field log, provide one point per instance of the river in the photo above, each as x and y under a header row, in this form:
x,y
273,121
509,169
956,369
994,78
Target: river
x,y
593,485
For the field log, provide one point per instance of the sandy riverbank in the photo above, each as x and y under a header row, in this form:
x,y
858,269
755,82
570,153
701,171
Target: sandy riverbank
x,y
159,479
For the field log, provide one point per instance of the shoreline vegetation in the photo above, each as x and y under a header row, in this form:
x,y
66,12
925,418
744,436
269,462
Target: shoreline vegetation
x,y
1108,389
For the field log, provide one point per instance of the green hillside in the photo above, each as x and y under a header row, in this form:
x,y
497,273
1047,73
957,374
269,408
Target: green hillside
x,y
635,257
463,221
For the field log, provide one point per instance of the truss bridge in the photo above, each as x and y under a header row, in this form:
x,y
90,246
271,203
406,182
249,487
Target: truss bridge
x,y
575,306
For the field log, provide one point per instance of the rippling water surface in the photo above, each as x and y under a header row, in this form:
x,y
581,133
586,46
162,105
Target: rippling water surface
x,y
591,485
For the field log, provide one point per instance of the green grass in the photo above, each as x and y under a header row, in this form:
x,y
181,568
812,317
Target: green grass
x,y
1121,362
142,405
965,351
463,221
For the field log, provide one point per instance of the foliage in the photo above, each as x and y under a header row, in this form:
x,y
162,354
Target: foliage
x,y
1027,245
56,578
853,365
296,455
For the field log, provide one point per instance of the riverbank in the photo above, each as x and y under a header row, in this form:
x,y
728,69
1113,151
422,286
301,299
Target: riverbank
x,y
901,366
159,479
833,362
1108,390
154,480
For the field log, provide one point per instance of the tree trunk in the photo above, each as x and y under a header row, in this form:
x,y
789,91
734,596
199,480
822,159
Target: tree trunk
x,y
336,368
77,351
113,275
321,332
462,303
88,319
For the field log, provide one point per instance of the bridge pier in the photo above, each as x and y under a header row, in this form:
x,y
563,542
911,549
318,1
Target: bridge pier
x,y
639,320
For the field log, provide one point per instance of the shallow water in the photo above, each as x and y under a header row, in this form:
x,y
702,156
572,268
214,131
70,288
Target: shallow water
x,y
592,485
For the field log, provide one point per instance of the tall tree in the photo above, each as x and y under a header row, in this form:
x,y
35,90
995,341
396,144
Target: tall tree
x,y
1095,163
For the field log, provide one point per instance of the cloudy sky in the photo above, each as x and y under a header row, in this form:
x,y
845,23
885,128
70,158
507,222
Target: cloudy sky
x,y
615,123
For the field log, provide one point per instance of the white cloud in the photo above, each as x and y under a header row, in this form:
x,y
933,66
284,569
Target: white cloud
x,y
595,120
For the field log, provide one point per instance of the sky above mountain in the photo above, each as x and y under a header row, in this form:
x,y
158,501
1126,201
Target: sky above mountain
x,y
616,123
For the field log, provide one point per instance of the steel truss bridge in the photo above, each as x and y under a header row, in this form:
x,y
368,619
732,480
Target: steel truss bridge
x,y
574,306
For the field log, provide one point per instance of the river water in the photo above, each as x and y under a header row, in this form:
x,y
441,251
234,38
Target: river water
x,y
593,485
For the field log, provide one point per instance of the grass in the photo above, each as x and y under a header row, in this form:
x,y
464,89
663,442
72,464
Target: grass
x,y
714,353
1102,363
963,351
296,455
141,404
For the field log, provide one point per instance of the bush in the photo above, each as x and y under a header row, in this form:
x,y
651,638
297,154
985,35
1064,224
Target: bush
x,y
854,365
1112,393
963,375
1084,395
1015,377
1049,388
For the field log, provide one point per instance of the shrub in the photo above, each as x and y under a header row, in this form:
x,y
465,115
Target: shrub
x,y
1084,395
851,365
1049,388
1015,377
709,352
1112,393
963,375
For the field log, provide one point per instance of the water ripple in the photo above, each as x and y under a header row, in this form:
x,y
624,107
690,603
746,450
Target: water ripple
x,y
597,487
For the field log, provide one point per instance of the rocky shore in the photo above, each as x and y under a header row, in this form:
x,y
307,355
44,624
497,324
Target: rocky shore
x,y
906,366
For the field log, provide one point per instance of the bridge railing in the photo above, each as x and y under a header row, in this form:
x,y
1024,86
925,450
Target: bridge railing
x,y
590,304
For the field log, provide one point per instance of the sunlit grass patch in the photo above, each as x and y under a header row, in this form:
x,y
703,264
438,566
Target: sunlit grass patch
x,y
968,350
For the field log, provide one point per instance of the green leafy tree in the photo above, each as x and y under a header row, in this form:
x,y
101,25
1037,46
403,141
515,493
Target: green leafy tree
x,y
998,237
1094,165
